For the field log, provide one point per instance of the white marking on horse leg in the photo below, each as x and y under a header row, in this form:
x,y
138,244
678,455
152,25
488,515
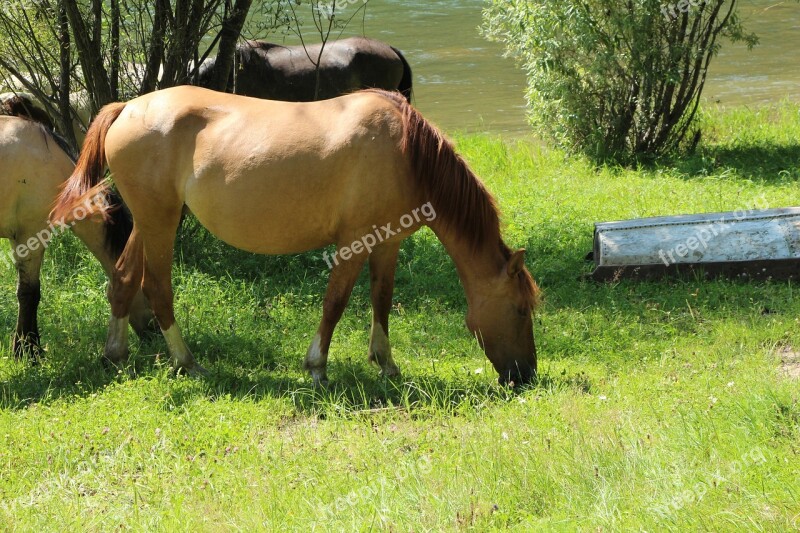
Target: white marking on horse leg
x,y
116,349
380,351
317,362
180,355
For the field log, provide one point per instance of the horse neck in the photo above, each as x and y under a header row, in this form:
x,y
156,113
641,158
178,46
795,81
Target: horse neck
x,y
92,233
475,265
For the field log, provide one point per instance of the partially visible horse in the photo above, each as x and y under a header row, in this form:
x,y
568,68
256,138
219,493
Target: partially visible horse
x,y
282,177
78,99
34,164
24,105
277,72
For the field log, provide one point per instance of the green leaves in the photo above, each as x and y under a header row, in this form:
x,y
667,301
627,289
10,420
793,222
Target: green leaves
x,y
617,81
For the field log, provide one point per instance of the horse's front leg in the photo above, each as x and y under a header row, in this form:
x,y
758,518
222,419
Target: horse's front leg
x,y
28,261
340,286
382,266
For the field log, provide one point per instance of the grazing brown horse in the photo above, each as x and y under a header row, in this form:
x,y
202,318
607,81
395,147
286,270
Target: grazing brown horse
x,y
277,72
34,164
279,178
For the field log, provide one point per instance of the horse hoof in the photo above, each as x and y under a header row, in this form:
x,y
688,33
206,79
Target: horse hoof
x,y
198,371
320,378
115,355
386,363
194,371
111,365
28,348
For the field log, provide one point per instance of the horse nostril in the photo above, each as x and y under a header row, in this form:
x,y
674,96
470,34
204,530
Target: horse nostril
x,y
517,377
509,379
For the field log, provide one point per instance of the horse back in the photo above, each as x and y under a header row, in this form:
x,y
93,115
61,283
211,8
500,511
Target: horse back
x,y
245,166
287,73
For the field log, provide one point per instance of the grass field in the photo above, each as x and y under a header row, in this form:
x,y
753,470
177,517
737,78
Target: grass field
x,y
660,406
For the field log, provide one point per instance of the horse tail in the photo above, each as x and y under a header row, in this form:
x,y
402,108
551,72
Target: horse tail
x,y
406,86
86,192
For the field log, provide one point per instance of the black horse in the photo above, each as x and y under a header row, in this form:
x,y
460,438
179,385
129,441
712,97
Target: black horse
x,y
277,72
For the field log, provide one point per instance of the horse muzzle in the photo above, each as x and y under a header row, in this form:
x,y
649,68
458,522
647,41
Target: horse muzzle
x,y
519,374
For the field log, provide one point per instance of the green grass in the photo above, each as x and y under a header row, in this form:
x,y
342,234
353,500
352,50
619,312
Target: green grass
x,y
661,405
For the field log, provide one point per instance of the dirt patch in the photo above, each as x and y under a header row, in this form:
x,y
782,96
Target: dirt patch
x,y
790,363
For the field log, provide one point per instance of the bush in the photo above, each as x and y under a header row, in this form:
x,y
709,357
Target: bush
x,y
615,80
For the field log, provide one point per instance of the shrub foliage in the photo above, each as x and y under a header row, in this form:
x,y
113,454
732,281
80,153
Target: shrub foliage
x,y
616,80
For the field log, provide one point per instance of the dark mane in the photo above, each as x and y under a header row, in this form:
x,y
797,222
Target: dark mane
x,y
23,107
261,45
462,202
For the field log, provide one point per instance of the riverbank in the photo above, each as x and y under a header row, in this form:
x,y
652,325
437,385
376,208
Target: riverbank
x,y
462,81
661,405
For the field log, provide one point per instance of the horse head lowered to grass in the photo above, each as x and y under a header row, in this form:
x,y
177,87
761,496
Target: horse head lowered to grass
x,y
34,164
279,178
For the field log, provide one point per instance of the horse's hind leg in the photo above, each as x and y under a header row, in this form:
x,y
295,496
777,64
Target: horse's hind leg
x,y
340,286
126,280
382,266
159,242
29,266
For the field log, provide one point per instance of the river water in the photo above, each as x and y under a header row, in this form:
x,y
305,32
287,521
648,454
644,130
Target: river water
x,y
463,82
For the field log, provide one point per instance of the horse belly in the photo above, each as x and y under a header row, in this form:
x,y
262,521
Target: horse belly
x,y
259,220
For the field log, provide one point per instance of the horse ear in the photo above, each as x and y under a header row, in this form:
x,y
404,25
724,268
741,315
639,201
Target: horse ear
x,y
516,263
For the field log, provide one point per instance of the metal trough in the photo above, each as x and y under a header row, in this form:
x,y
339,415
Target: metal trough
x,y
755,244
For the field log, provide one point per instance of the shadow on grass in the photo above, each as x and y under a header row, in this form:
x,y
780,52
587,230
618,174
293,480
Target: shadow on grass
x,y
53,380
767,162
355,389
245,368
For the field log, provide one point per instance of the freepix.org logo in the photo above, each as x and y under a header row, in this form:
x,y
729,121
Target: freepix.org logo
x,y
42,239
329,9
671,11
380,234
14,6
